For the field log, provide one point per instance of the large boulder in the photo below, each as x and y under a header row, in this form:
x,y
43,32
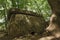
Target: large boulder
x,y
21,22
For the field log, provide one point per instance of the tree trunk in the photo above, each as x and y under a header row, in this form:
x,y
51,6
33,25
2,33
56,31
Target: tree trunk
x,y
54,25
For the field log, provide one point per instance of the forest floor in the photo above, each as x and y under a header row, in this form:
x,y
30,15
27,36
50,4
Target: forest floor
x,y
29,37
25,37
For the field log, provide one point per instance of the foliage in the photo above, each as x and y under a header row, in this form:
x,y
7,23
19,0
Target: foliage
x,y
39,6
